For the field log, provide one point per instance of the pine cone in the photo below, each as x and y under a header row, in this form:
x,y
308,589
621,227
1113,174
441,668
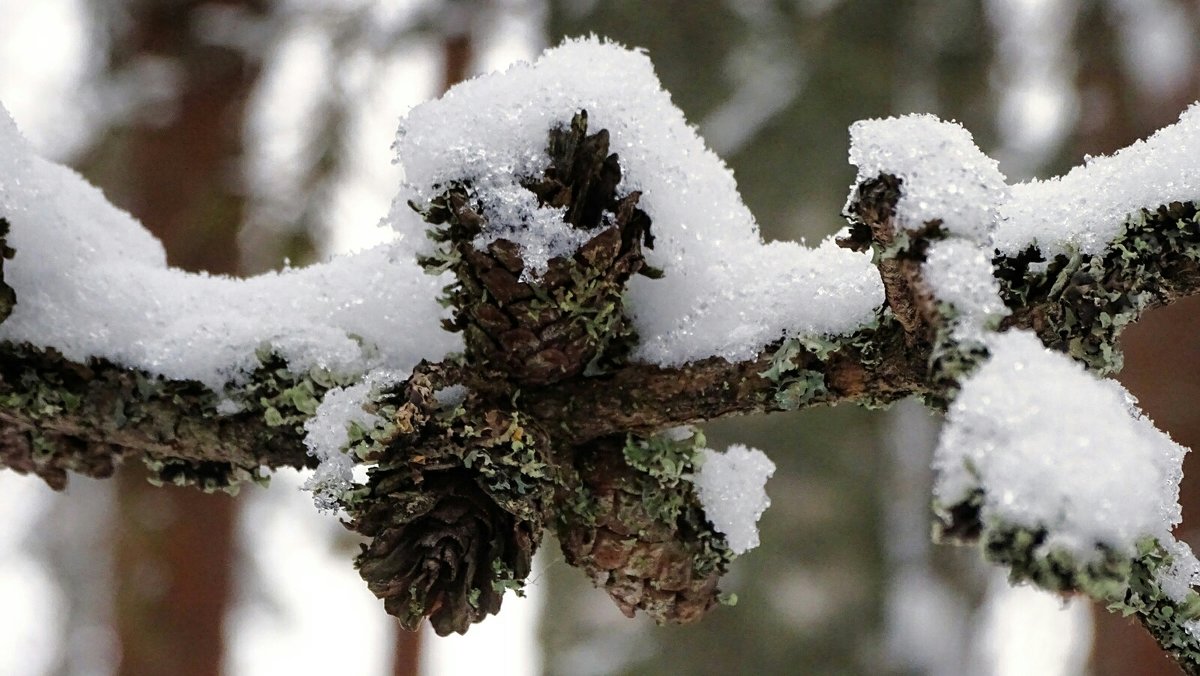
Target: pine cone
x,y
453,506
656,554
542,330
441,549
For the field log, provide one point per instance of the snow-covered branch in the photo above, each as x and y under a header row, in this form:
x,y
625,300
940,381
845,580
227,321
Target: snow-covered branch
x,y
605,288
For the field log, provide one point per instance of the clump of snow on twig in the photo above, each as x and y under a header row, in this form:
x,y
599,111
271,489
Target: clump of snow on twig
x,y
960,273
945,177
945,180
725,292
327,435
1051,446
948,180
732,489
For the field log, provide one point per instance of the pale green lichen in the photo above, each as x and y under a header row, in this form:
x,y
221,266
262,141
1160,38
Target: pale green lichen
x,y
41,385
666,463
798,386
1127,582
505,580
1081,303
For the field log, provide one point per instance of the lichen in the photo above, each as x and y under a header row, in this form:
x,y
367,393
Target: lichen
x,y
798,386
111,404
1125,582
1079,304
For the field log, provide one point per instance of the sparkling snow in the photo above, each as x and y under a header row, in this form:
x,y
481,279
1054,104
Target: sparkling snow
x,y
92,282
1053,447
327,435
1086,208
945,177
725,292
1184,573
732,489
959,272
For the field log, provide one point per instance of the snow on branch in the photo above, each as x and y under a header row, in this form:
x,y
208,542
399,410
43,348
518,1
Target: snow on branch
x,y
1083,211
1034,441
1062,479
606,285
92,283
1056,473
723,292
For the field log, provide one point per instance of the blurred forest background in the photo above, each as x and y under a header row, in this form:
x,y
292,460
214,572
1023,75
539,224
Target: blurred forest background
x,y
250,134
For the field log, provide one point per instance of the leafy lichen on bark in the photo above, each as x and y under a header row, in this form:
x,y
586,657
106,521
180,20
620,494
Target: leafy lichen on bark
x,y
62,416
939,358
1079,303
1127,583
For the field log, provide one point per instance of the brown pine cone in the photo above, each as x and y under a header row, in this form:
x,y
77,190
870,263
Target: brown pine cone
x,y
642,538
542,330
453,506
444,551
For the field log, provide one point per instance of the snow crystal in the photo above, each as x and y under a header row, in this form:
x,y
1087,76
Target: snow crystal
x,y
725,292
92,282
327,435
1085,209
1053,447
945,177
959,272
681,432
731,486
451,396
1184,573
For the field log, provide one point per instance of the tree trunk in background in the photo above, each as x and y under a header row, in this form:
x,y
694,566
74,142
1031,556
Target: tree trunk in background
x,y
458,64
177,172
1162,350
1162,369
773,87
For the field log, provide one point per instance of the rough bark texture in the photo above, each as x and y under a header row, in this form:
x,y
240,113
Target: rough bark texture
x,y
61,416
551,426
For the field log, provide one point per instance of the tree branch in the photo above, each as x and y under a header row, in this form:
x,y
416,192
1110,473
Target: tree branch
x,y
61,416
1079,304
1076,305
549,424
